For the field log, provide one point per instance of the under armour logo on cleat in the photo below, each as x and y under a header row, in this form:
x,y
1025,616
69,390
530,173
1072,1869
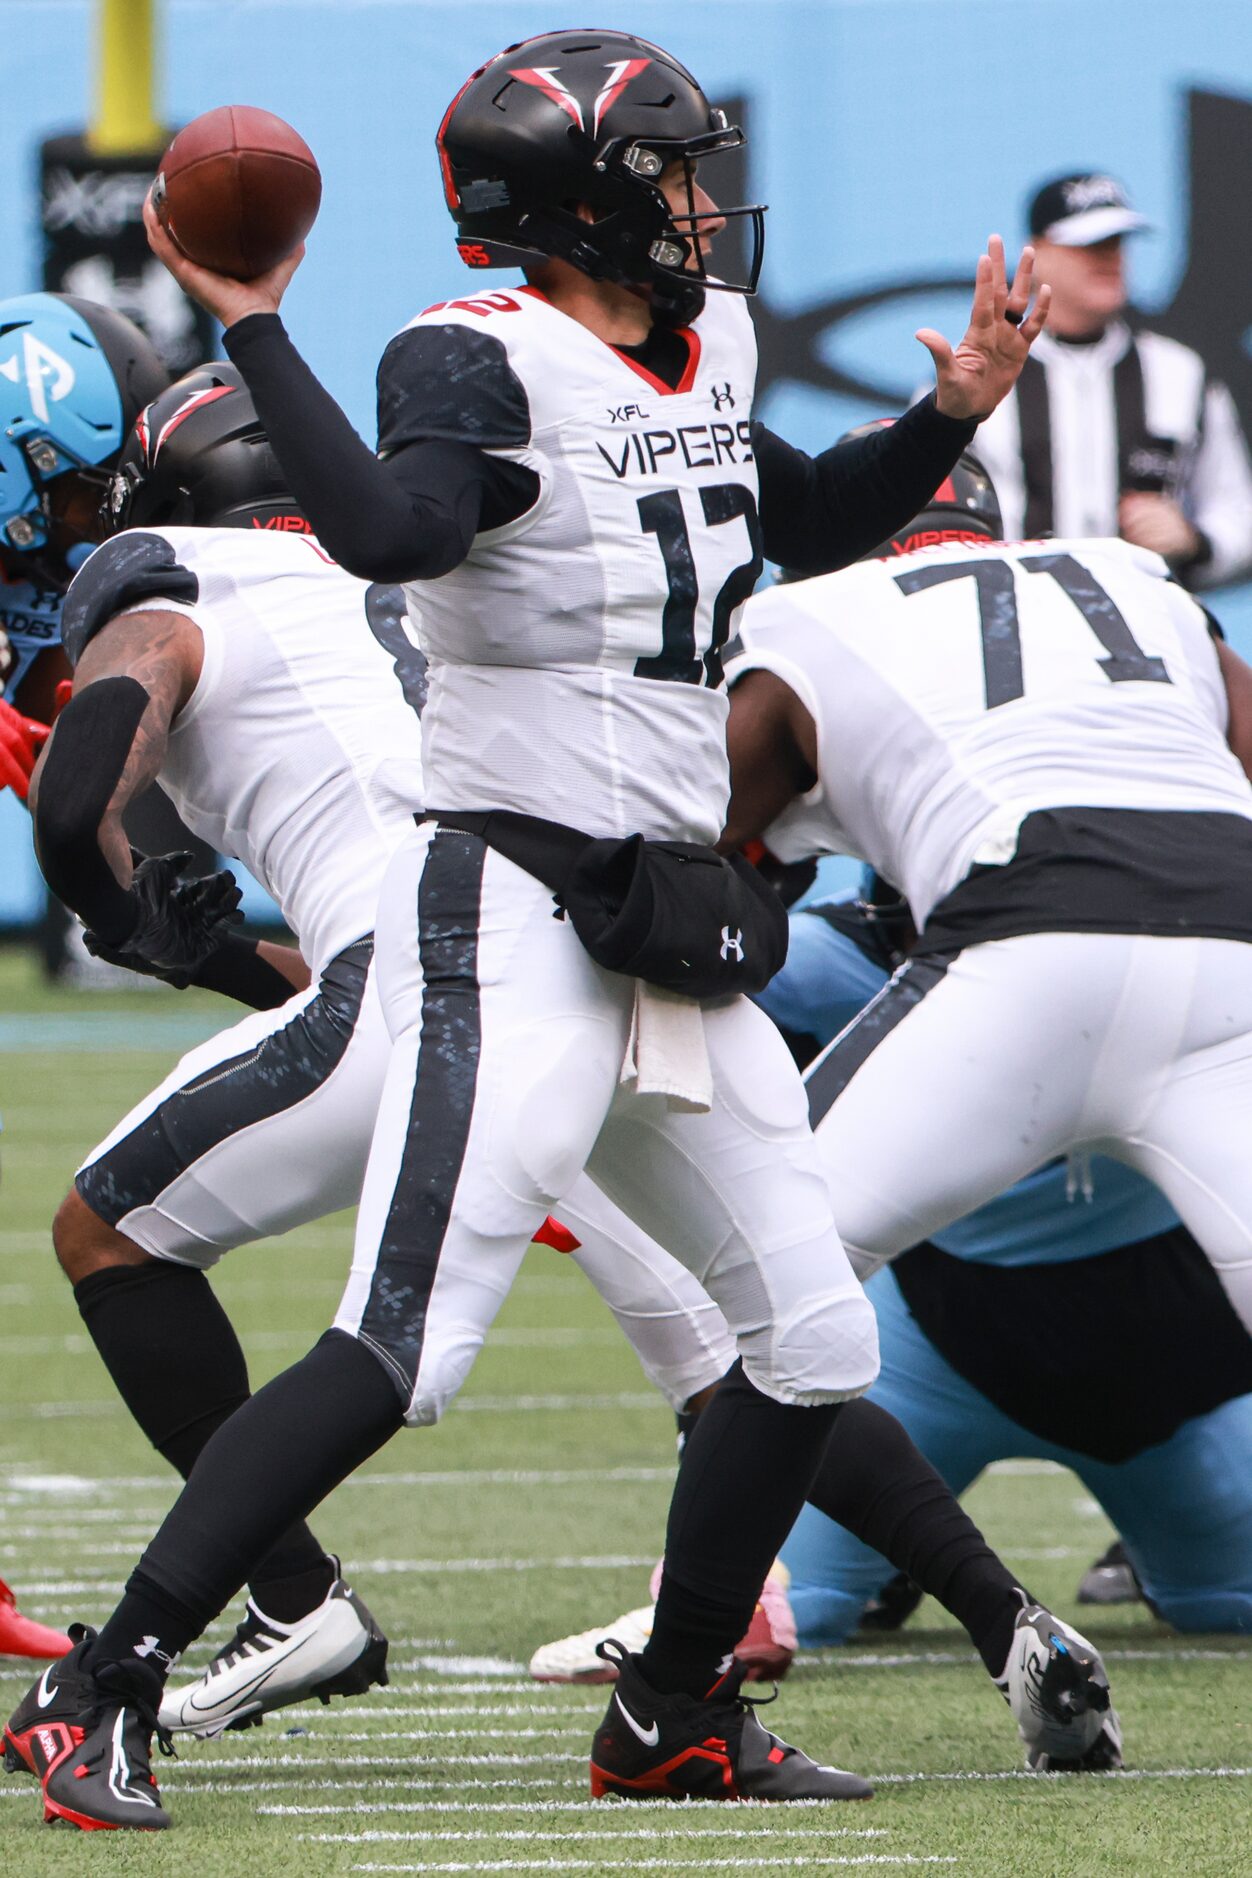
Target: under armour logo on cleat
x,y
151,1646
732,944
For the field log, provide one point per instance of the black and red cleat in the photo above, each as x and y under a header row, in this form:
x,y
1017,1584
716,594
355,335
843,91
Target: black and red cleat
x,y
652,1746
88,1745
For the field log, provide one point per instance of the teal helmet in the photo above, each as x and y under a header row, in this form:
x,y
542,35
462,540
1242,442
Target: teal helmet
x,y
73,378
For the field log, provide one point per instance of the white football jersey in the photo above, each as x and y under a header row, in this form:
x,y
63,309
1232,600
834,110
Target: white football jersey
x,y
298,752
575,666
962,688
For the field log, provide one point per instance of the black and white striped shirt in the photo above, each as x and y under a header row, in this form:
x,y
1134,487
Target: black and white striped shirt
x,y
1089,422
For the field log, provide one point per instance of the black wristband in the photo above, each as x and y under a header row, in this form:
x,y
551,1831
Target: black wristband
x,y
85,760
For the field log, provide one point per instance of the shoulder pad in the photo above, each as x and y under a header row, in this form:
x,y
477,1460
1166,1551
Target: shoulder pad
x,y
132,567
452,383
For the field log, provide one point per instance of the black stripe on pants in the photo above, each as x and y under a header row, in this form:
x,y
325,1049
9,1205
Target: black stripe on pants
x,y
282,1070
830,1075
449,900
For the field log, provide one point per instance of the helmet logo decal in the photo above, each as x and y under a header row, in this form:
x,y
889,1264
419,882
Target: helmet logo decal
x,y
620,75
945,492
40,364
544,78
192,402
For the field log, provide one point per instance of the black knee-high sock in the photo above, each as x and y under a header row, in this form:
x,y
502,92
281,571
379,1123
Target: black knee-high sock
x,y
746,1470
877,1484
270,1464
175,1359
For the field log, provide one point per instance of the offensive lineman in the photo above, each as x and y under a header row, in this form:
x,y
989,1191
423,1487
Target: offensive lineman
x,y
1044,748
586,688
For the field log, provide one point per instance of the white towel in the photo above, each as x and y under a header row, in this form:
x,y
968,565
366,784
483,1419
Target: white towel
x,y
666,1053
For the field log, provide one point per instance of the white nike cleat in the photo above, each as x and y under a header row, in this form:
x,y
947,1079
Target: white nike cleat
x,y
765,1650
574,1659
1058,1689
337,1650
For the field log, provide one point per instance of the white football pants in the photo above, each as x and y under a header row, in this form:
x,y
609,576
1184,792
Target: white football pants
x,y
959,1078
503,1085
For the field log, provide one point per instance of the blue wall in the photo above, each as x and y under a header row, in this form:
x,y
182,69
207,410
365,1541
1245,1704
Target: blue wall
x,y
888,136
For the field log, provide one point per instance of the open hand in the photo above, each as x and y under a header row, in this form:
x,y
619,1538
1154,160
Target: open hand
x,y
971,381
227,299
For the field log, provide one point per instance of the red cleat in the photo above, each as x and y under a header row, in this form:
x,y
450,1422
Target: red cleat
x,y
21,1636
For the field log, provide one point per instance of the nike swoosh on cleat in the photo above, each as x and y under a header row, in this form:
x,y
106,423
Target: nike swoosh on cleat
x,y
44,1695
649,1736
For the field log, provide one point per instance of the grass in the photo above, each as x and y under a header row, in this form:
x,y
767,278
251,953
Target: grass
x,y
534,1509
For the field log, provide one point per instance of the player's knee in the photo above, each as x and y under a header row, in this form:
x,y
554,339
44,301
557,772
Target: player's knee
x,y
84,1243
440,1374
822,1349
1217,1612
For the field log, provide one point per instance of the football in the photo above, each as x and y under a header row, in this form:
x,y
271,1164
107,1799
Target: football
x,y
237,190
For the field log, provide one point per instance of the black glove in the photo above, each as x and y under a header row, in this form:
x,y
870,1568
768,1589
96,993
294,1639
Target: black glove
x,y
180,921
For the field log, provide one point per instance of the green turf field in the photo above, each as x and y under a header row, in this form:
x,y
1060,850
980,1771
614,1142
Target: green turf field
x,y
534,1510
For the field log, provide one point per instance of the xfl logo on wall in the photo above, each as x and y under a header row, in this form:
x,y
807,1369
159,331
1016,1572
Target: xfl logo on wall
x,y
1209,310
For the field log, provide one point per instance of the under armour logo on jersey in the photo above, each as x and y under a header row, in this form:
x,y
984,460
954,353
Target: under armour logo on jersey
x,y
722,395
48,376
732,944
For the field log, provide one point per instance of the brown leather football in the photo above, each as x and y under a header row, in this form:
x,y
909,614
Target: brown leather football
x,y
237,190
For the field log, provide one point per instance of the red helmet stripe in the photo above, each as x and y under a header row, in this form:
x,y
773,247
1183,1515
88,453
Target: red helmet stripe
x,y
620,75
189,404
945,492
544,79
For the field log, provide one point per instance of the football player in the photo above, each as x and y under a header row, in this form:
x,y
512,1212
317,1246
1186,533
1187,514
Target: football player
x,y
281,717
577,518
73,376
1045,747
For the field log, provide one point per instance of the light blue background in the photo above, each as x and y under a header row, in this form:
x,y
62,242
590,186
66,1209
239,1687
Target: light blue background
x,y
889,137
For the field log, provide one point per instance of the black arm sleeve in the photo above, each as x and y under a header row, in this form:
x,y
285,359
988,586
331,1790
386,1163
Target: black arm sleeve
x,y
411,517
821,513
85,758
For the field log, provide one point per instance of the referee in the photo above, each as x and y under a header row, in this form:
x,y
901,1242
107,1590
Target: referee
x,y
1114,430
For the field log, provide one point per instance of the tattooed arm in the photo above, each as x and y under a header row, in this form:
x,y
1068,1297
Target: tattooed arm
x,y
162,652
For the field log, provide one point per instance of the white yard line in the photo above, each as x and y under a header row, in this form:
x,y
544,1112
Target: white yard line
x,y
807,1863
767,1829
678,1810
609,1561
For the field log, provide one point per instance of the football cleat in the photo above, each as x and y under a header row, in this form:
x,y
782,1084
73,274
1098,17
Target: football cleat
x,y
1057,1687
21,1636
1111,1580
766,1649
337,1650
89,1745
576,1658
653,1746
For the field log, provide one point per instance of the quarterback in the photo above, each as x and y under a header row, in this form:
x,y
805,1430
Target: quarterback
x,y
577,527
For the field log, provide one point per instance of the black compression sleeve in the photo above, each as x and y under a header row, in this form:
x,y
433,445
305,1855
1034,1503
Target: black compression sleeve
x,y
86,756
413,517
238,971
821,513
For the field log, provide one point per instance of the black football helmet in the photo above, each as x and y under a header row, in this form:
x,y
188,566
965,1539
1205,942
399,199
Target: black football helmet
x,y
198,457
589,117
964,507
